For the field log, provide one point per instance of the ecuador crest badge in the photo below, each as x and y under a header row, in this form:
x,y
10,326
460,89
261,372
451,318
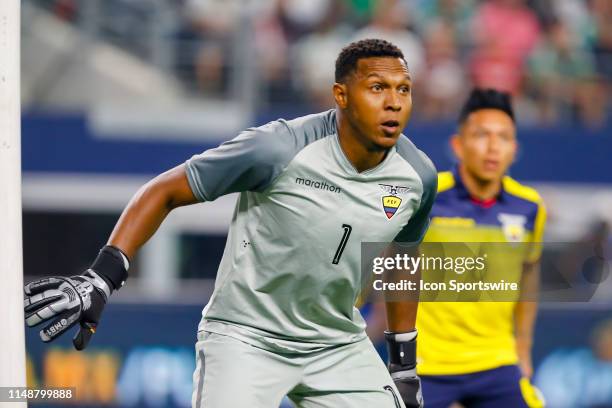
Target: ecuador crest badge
x,y
391,199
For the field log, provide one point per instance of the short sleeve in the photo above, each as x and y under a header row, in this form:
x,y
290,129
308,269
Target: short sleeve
x,y
415,229
249,162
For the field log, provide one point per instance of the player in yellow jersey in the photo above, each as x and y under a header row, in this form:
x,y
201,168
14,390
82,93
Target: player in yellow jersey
x,y
478,354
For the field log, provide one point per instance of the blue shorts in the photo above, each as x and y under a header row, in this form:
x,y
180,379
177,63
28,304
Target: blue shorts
x,y
501,387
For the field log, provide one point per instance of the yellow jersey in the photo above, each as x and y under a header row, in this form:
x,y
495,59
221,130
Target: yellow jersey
x,y
466,337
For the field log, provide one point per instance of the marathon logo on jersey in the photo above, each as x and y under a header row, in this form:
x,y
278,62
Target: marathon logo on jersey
x,y
320,185
391,199
513,226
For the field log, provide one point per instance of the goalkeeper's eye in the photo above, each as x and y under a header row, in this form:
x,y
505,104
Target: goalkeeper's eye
x,y
376,87
404,90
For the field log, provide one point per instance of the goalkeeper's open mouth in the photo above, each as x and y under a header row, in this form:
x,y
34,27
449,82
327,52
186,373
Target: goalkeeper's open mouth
x,y
390,127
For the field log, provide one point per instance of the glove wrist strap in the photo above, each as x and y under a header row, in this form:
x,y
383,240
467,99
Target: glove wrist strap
x,y
402,348
112,265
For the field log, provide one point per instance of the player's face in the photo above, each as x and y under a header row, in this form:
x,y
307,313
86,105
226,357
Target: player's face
x,y
378,100
486,144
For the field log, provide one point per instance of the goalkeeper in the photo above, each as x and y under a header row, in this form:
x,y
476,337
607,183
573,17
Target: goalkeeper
x,y
282,319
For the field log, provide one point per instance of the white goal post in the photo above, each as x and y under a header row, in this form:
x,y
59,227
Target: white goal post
x,y
12,339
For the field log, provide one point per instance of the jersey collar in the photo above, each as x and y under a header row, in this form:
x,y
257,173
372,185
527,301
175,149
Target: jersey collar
x,y
463,193
348,166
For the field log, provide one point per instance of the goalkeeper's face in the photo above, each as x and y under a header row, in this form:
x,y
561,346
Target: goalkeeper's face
x,y
376,98
486,144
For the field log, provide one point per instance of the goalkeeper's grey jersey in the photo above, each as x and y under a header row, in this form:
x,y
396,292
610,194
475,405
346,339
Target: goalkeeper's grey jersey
x,y
290,273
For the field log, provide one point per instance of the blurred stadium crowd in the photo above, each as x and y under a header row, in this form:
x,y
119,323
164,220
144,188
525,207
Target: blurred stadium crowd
x,y
554,56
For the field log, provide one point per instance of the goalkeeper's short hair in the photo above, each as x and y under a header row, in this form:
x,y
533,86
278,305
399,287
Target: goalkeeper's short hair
x,y
368,48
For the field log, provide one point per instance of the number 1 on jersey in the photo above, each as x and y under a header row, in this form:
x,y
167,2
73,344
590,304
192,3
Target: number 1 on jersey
x,y
347,233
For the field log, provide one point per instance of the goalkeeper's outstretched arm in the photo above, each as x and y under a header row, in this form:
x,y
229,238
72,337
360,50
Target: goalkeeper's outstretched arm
x,y
62,302
149,207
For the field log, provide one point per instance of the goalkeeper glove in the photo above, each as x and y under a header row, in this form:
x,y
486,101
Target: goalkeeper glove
x,y
66,301
402,366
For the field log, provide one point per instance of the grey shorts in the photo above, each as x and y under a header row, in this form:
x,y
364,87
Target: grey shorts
x,y
233,374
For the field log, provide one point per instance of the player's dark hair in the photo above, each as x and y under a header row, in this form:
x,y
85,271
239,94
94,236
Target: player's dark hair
x,y
486,99
371,47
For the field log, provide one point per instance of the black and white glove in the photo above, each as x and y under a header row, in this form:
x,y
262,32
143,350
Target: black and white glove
x,y
402,366
66,301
